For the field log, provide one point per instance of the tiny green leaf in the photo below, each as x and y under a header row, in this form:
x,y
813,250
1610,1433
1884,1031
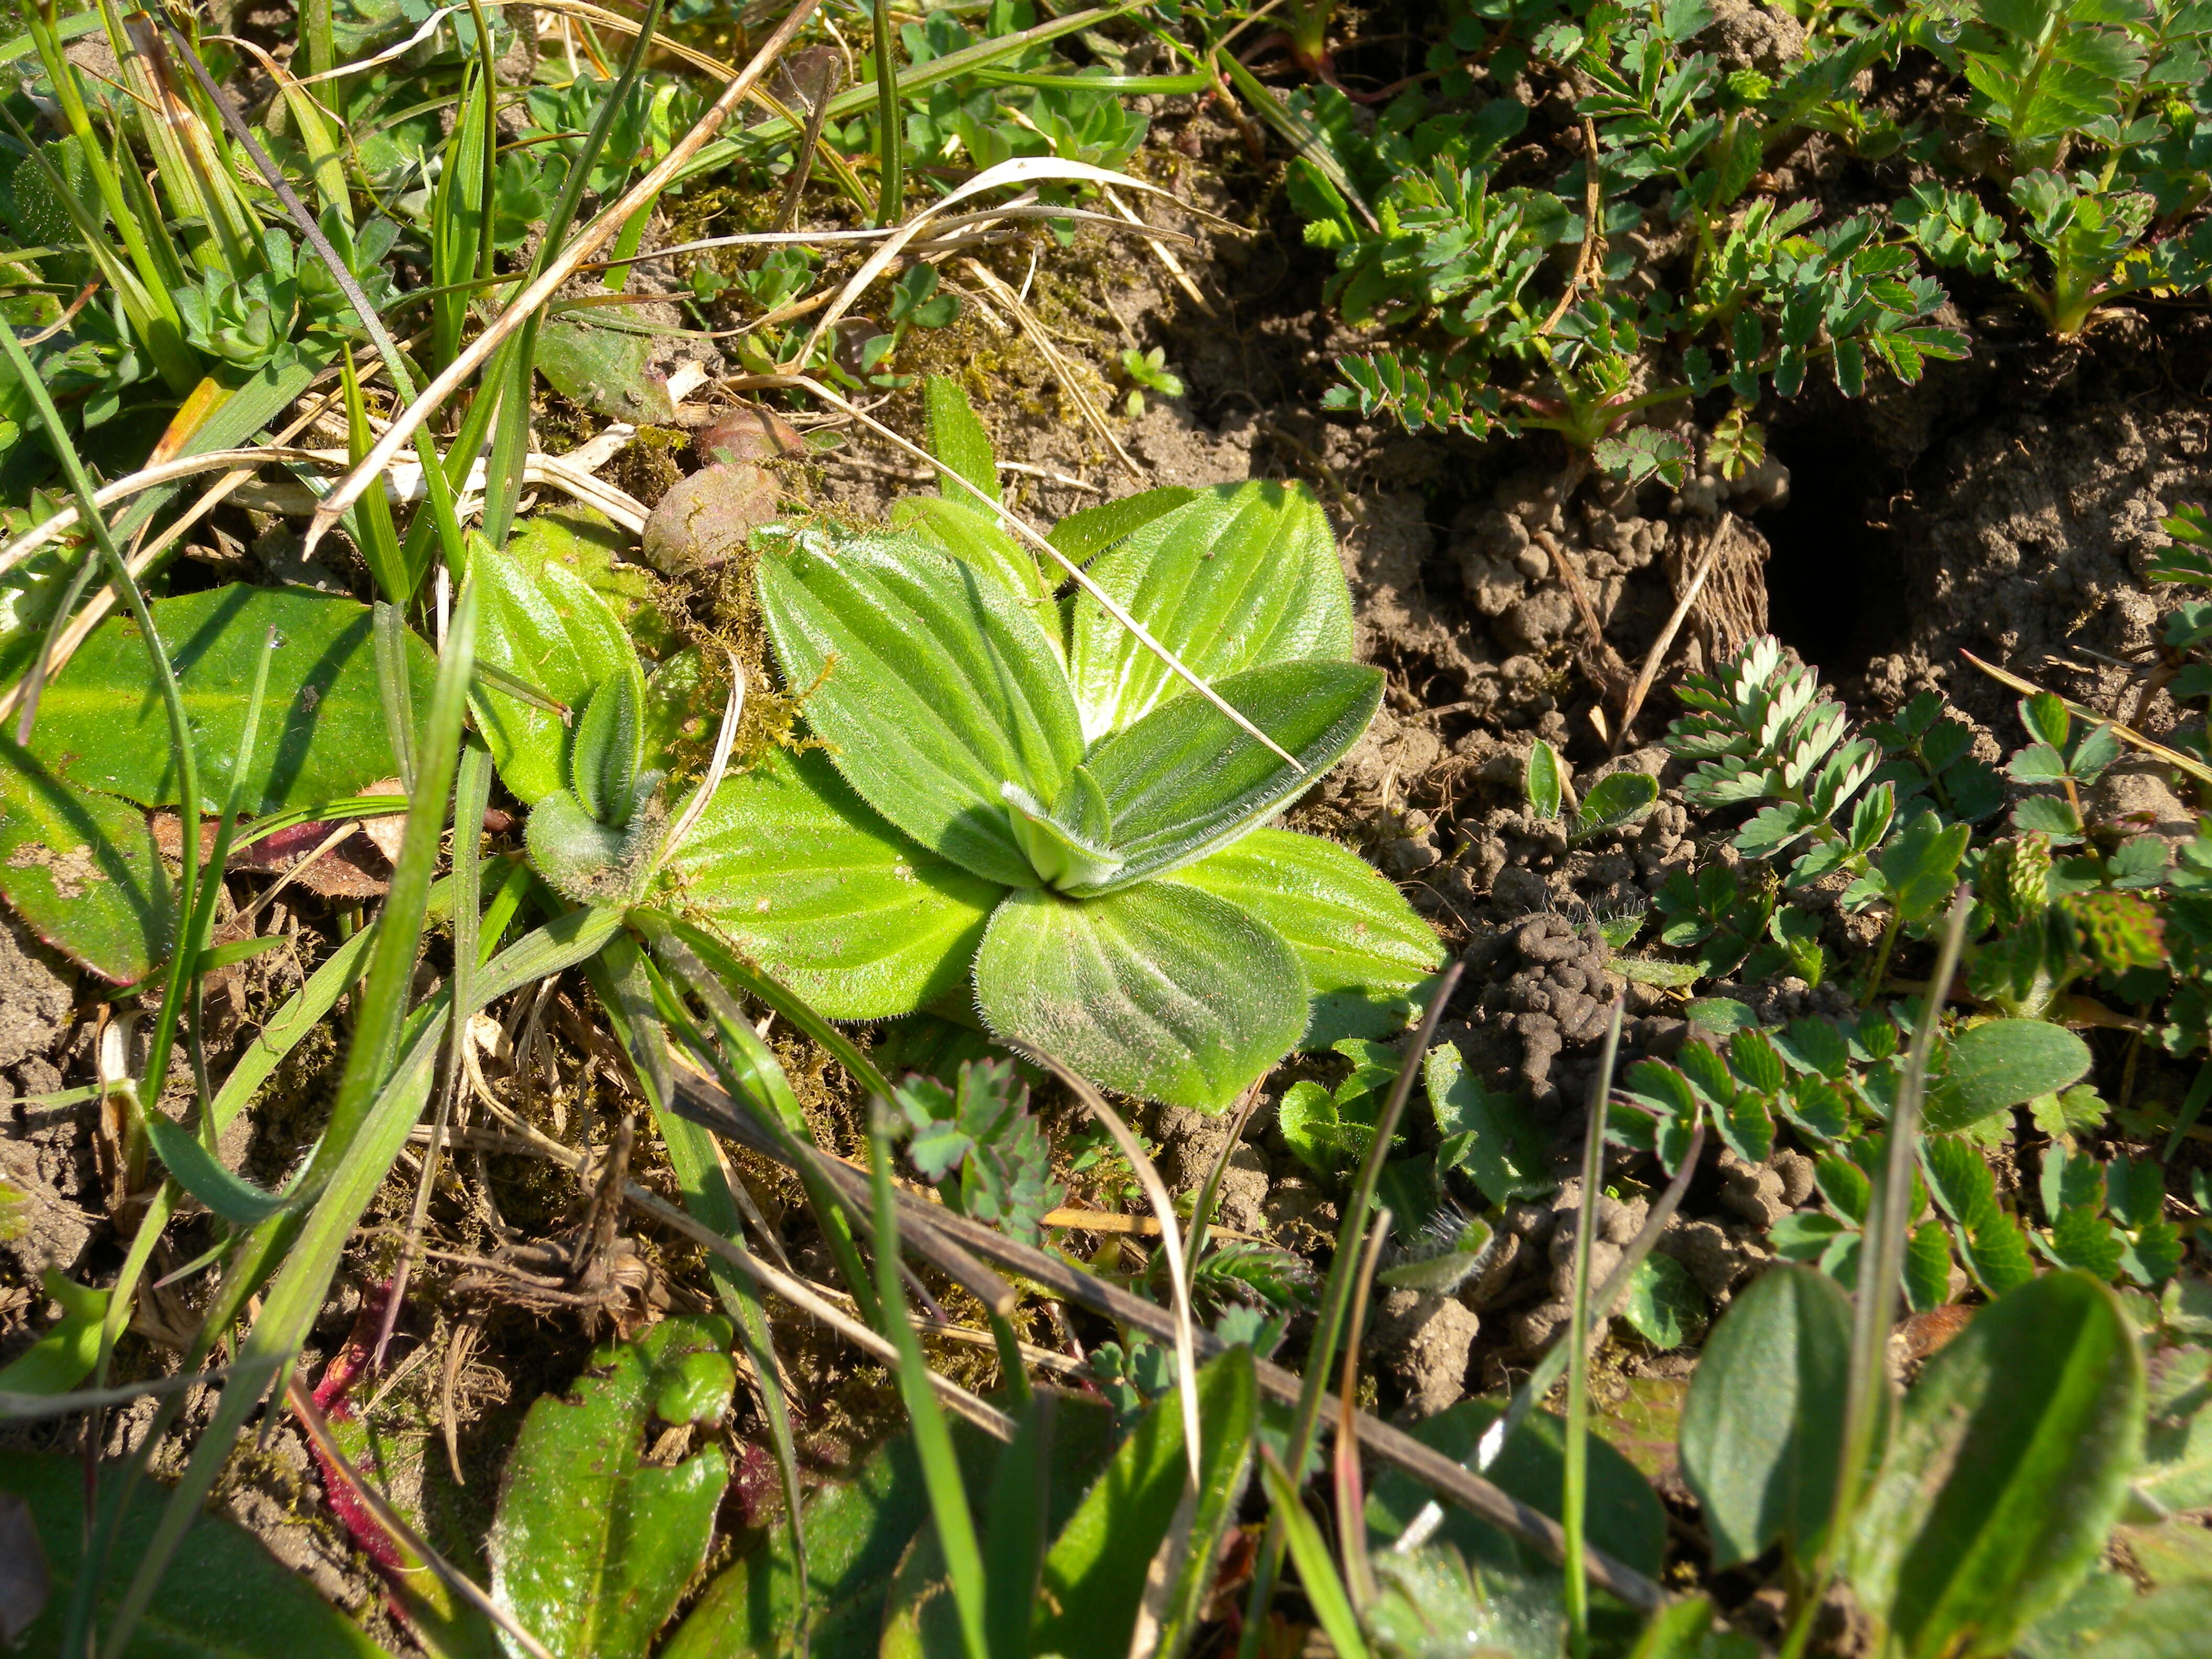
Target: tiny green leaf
x,y
606,748
1615,802
1542,780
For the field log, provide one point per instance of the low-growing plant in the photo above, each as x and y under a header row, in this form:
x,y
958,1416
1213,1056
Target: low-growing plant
x,y
1013,797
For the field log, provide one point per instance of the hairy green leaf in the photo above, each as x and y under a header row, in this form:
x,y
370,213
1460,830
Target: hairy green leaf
x,y
1185,781
1161,990
1364,953
1083,535
796,872
1243,576
957,438
1487,1133
932,686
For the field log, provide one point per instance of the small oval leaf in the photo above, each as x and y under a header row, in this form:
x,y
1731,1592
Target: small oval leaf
x,y
1541,781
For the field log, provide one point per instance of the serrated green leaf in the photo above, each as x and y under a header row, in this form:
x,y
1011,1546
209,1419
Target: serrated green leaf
x,y
1185,781
2000,1064
550,630
932,686
102,726
1364,953
2009,1465
83,871
1244,576
1487,1133
1130,989
1762,1430
799,874
1927,1266
594,1545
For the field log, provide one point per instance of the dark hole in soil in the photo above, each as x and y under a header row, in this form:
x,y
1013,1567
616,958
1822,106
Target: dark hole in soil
x,y
1834,583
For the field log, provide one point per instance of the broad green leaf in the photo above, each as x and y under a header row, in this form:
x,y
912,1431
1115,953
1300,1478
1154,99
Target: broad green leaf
x,y
1094,1573
1364,953
1625,1518
958,439
594,1546
1483,1131
1160,991
856,1534
1085,534
227,1599
549,629
970,534
1185,779
595,550
1762,1430
2000,1064
102,726
1541,781
932,686
1243,576
797,873
2167,1624
84,870
2009,1464
608,370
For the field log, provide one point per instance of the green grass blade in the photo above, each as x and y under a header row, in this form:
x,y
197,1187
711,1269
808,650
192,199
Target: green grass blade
x,y
919,77
891,136
932,1438
1574,1499
511,438
370,522
458,208
1332,1603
